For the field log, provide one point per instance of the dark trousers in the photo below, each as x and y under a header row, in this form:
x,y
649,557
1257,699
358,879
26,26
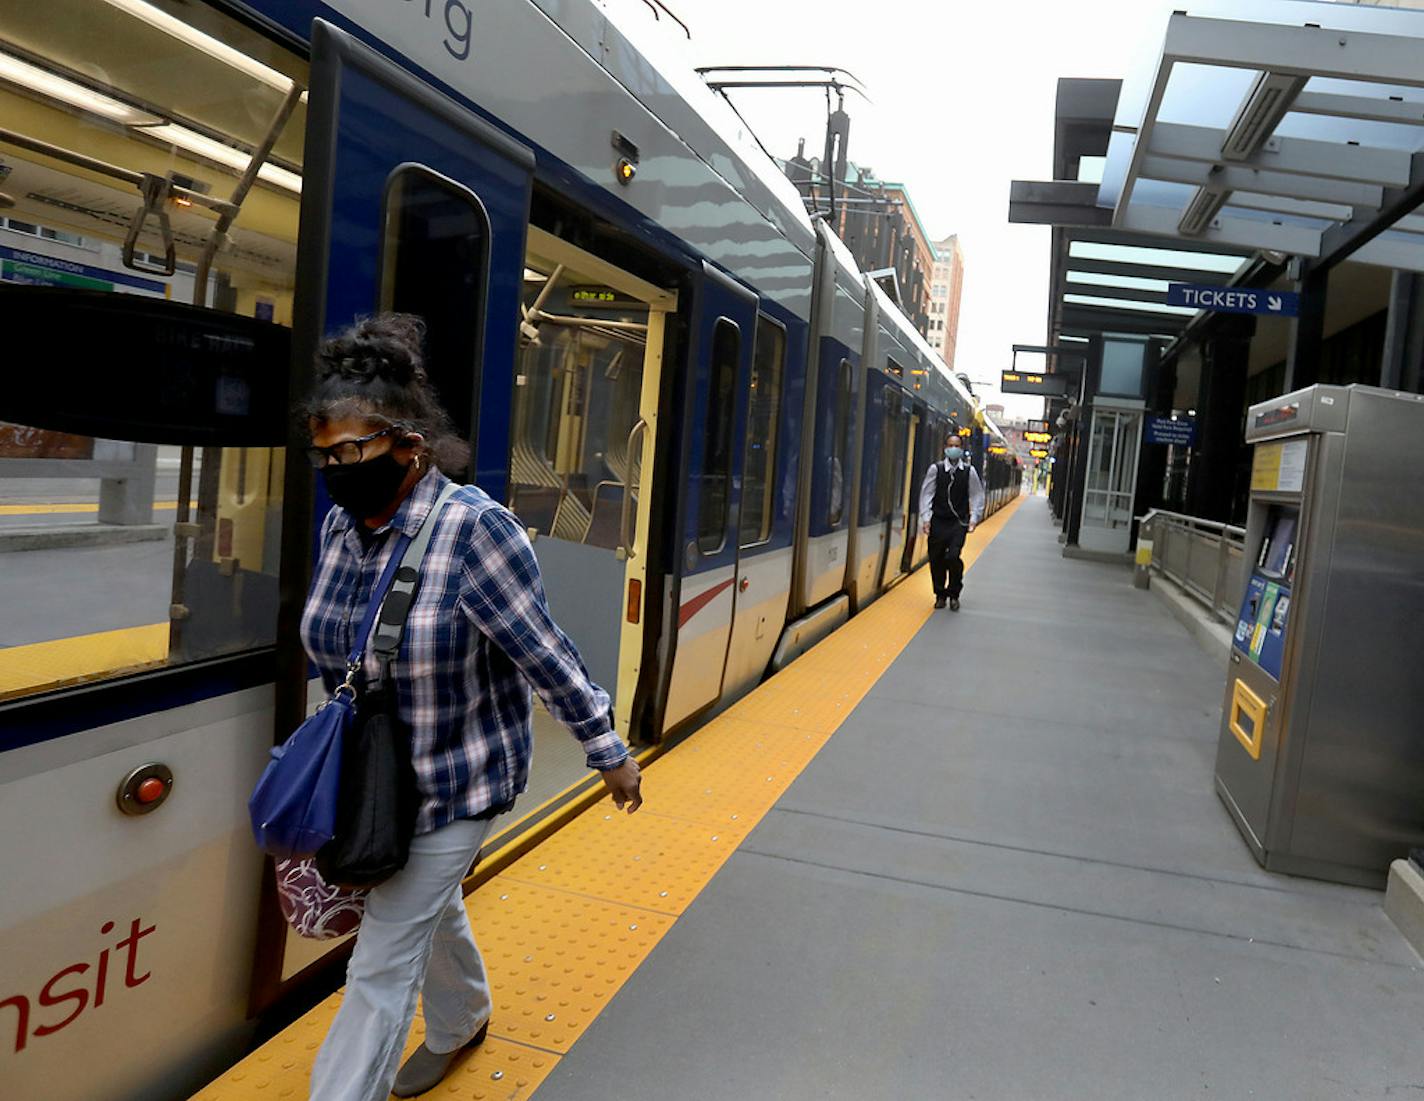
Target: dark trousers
x,y
946,565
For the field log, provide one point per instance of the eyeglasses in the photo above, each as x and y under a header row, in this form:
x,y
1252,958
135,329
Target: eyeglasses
x,y
347,451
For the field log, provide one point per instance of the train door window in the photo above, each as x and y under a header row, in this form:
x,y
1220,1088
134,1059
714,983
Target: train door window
x,y
141,465
578,384
840,443
435,261
717,449
763,416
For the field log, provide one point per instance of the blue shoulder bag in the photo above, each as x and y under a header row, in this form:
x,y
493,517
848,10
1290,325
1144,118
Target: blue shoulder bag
x,y
294,807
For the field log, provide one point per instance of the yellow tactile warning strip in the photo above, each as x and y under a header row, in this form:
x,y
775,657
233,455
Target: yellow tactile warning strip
x,y
563,927
37,666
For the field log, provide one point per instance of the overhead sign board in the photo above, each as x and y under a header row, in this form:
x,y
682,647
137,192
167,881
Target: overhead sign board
x,y
1039,453
1019,382
1037,426
1038,437
1182,431
1234,299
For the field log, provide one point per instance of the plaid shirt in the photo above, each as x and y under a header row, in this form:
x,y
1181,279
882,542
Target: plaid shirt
x,y
478,635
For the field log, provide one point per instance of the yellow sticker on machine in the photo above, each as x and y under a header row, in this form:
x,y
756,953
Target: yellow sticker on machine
x,y
1266,467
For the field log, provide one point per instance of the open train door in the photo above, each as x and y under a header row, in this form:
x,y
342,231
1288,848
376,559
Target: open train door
x,y
409,202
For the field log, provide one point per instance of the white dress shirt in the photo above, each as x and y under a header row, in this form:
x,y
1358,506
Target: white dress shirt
x,y
976,490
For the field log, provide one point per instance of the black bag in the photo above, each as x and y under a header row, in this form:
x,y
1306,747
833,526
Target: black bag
x,y
378,802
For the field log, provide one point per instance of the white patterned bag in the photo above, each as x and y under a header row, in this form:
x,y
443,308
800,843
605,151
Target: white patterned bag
x,y
312,906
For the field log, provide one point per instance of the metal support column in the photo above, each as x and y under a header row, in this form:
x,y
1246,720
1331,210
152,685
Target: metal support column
x,y
1404,334
1221,402
1307,331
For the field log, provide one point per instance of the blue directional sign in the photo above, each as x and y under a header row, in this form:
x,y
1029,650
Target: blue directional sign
x,y
1182,431
1234,299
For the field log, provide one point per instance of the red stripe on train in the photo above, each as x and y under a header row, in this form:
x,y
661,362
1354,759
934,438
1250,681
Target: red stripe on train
x,y
700,601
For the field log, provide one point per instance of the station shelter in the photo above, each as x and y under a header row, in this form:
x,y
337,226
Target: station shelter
x,y
1238,221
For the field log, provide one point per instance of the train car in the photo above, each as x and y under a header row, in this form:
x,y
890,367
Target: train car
x,y
709,420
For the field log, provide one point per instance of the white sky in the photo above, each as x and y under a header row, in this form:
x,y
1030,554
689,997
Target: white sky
x,y
963,103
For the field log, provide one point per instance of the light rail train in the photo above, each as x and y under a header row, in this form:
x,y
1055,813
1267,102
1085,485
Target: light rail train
x,y
712,423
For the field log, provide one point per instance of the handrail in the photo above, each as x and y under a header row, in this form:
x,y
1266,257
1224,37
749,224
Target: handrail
x,y
1201,556
1194,522
625,533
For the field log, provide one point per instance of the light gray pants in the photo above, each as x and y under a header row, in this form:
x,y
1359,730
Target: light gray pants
x,y
415,939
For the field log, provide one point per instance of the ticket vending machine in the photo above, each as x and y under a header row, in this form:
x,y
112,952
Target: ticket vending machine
x,y
1321,754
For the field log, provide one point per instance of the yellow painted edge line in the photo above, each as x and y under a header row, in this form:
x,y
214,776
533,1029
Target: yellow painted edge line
x,y
77,507
904,608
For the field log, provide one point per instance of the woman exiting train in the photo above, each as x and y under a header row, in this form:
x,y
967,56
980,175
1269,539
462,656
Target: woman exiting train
x,y
478,635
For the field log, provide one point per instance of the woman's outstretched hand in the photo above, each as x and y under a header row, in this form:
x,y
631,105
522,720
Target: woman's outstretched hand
x,y
624,783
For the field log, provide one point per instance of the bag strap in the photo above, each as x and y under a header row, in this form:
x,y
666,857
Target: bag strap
x,y
378,596
395,608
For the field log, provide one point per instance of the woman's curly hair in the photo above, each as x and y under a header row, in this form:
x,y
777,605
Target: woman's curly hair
x,y
376,368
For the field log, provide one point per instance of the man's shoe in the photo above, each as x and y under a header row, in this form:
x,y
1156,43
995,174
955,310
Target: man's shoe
x,y
425,1070
939,602
954,604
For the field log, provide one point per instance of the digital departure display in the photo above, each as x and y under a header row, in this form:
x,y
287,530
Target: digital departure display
x,y
1049,385
1281,415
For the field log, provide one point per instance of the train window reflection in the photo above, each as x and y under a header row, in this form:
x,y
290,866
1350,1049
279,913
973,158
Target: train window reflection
x,y
763,416
717,450
840,443
434,265
129,540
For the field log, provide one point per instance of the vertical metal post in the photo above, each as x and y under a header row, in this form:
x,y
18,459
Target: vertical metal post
x,y
1307,331
1223,563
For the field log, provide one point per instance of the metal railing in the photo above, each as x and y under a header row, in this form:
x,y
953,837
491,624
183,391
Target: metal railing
x,y
1202,556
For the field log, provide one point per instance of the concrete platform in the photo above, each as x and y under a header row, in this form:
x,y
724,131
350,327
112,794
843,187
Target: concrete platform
x,y
1007,876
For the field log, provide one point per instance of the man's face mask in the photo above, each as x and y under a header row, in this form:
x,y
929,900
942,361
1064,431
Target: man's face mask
x,y
953,454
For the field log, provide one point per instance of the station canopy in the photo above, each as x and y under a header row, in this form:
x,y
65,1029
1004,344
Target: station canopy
x,y
1264,130
1290,129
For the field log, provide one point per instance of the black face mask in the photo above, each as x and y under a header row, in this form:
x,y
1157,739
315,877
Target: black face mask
x,y
365,489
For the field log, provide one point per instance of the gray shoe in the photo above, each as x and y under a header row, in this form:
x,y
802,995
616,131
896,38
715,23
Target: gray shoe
x,y
425,1070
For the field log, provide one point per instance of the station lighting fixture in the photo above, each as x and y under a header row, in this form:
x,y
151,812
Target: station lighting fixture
x,y
1260,113
1204,205
1256,120
198,40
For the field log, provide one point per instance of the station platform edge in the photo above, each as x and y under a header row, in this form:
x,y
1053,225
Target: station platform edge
x,y
565,925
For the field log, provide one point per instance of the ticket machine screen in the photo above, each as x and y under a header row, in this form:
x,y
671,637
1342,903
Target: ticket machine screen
x,y
1265,608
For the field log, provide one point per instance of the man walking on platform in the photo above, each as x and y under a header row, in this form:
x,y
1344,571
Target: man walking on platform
x,y
951,506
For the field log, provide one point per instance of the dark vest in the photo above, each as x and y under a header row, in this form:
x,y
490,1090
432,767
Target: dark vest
x,y
951,496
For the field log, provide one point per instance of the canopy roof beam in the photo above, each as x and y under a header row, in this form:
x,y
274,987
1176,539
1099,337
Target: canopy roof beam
x,y
1263,181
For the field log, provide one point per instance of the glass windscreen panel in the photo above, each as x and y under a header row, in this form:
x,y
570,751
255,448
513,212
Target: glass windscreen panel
x,y
140,458
578,386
